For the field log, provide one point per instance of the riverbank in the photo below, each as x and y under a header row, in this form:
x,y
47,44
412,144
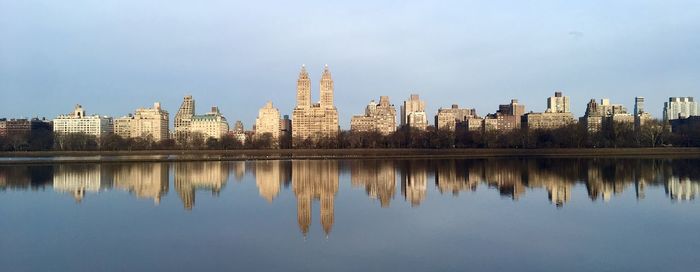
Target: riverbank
x,y
40,157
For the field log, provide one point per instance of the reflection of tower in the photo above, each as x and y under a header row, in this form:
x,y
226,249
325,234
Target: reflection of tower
x,y
268,177
146,180
315,180
192,176
78,179
414,182
377,176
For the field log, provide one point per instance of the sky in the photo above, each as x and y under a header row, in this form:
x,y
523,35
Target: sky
x,y
114,56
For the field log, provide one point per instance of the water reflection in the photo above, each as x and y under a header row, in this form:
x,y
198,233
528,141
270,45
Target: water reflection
x,y
318,180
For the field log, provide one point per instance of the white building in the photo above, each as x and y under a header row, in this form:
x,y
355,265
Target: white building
x,y
79,122
146,122
680,108
268,121
210,125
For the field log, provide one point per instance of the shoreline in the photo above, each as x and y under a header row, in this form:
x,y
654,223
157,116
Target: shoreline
x,y
60,157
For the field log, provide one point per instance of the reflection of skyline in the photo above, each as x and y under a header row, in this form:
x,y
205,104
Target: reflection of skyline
x,y
378,177
602,179
315,180
193,176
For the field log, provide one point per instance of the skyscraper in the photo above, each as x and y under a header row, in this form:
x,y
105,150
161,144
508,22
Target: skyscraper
x,y
314,121
378,117
680,108
558,103
638,105
413,113
268,122
183,119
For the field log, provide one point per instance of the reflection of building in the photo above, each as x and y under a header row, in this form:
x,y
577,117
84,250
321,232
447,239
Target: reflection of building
x,y
378,117
77,179
450,178
682,188
414,182
378,177
193,176
145,180
79,122
151,122
269,178
314,121
506,176
311,180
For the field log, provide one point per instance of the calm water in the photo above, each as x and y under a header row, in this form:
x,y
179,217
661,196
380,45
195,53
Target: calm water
x,y
356,215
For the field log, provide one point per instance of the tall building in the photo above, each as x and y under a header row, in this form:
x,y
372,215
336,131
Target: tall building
x,y
145,122
79,122
508,117
413,113
557,114
11,127
599,114
211,125
314,121
183,119
238,132
268,121
453,117
641,116
638,105
378,117
680,108
558,103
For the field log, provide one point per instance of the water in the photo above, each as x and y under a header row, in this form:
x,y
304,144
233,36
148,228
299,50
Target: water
x,y
354,215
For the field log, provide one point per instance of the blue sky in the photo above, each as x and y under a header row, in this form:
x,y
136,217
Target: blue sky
x,y
113,56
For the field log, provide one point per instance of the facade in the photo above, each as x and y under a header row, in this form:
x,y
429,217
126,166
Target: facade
x,y
314,121
145,122
680,108
268,121
15,127
598,115
641,116
413,113
508,117
453,117
79,122
378,117
558,103
238,132
210,125
183,119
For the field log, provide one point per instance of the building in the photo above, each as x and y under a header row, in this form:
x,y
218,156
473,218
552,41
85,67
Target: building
x,y
145,122
314,121
80,122
413,113
558,103
598,115
238,132
210,125
679,108
183,119
641,116
508,117
268,122
454,117
557,115
378,117
13,127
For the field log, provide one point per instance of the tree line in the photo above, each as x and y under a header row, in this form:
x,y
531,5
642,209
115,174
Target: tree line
x,y
653,133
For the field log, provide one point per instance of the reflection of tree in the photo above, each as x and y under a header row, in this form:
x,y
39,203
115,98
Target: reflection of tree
x,y
145,180
414,181
378,177
314,180
193,176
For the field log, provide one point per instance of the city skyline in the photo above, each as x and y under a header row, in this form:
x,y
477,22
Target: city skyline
x,y
449,53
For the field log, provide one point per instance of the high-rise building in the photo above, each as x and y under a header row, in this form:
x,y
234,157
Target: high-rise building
x,y
378,117
641,116
211,125
79,122
599,114
14,127
268,122
638,105
453,117
413,113
680,108
314,121
183,119
508,117
238,132
557,114
558,103
145,122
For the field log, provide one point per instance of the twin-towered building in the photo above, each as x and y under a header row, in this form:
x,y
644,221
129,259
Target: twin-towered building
x,y
314,121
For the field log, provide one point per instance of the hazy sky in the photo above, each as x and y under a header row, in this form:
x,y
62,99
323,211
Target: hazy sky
x,y
113,56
